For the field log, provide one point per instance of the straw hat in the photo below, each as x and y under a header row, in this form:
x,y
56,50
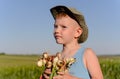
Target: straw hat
x,y
74,14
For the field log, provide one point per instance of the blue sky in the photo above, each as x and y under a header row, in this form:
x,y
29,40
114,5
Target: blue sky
x,y
26,26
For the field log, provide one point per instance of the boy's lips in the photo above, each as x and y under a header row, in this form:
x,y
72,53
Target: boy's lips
x,y
57,36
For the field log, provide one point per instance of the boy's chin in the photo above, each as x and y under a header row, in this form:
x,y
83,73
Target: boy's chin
x,y
59,42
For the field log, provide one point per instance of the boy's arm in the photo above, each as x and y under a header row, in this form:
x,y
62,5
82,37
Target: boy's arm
x,y
92,64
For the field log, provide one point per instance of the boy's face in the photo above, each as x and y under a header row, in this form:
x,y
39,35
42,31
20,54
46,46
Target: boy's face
x,y
66,30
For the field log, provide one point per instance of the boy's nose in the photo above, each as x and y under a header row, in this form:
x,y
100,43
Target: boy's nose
x,y
57,30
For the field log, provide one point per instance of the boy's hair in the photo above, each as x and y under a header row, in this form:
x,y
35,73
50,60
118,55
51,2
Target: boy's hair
x,y
74,14
61,15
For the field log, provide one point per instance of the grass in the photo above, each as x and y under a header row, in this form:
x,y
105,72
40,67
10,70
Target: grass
x,y
19,67
24,67
110,66
17,60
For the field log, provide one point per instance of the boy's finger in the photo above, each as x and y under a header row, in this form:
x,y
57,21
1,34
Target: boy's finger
x,y
58,77
46,77
47,72
61,73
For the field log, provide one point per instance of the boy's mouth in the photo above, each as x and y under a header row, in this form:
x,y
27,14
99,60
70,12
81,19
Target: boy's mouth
x,y
57,36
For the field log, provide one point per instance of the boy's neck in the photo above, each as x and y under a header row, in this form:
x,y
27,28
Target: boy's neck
x,y
70,50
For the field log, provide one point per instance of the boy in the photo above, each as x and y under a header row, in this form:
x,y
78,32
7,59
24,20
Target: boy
x,y
70,30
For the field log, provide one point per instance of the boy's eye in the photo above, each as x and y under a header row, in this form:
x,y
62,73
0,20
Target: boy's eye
x,y
55,26
64,26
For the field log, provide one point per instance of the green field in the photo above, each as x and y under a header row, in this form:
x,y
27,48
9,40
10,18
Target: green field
x,y
110,66
19,67
24,67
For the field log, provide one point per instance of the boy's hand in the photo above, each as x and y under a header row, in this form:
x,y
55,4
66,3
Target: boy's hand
x,y
64,75
47,73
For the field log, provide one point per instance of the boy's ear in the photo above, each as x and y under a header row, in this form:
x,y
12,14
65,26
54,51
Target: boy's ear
x,y
78,32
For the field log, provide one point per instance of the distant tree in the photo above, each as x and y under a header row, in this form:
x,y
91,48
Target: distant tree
x,y
2,53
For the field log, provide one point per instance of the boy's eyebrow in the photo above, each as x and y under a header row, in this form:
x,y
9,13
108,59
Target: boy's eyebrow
x,y
55,25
